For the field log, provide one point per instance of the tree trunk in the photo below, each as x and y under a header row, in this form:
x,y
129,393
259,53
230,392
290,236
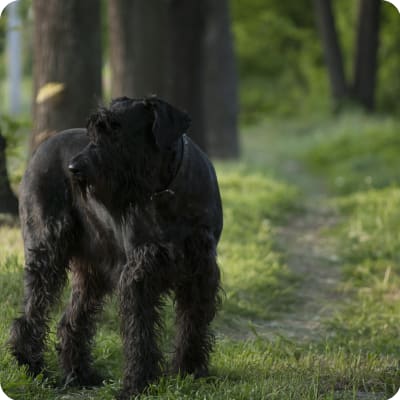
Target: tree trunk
x,y
156,47
67,52
186,20
333,55
220,83
137,49
8,200
365,65
121,48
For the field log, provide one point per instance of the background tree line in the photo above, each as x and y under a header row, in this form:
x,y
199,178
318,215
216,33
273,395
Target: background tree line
x,y
285,61
154,47
284,67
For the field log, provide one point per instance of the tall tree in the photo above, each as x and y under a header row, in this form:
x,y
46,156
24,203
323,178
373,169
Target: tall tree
x,y
365,63
220,83
137,47
181,50
186,27
8,200
156,48
361,90
67,55
121,49
333,55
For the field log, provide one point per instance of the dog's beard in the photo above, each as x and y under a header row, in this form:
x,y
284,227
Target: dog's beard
x,y
136,180
81,186
86,187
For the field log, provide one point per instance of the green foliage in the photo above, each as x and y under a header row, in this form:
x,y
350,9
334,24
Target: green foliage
x,y
16,132
13,130
281,64
356,152
388,84
389,61
278,55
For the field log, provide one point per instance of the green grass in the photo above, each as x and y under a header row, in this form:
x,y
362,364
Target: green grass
x,y
284,163
358,153
253,202
369,237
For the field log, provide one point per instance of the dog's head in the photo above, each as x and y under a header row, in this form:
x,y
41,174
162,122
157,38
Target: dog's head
x,y
128,142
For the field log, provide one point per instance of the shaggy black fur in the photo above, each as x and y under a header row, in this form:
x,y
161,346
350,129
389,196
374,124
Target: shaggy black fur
x,y
130,204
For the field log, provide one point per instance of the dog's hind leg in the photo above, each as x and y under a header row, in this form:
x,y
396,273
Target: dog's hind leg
x,y
78,324
46,264
197,300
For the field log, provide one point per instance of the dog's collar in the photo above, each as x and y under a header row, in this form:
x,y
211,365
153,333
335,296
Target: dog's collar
x,y
169,191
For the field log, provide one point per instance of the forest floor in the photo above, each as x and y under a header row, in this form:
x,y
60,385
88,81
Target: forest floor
x,y
310,262
312,256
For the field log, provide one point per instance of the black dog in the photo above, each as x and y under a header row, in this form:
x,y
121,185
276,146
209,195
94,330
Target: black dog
x,y
130,204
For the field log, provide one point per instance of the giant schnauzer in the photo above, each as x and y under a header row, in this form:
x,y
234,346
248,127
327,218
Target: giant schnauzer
x,y
132,204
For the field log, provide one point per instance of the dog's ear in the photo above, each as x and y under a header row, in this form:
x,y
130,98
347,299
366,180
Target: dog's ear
x,y
169,123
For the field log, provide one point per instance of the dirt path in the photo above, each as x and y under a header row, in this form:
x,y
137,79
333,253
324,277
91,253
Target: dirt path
x,y
311,255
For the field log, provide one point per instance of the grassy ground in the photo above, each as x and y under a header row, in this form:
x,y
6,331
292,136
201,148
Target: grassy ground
x,y
310,260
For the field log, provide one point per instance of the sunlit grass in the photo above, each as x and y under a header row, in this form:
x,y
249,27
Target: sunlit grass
x,y
257,285
358,153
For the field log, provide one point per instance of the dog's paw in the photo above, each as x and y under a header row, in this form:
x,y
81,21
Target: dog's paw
x,y
201,373
128,394
24,348
93,378
85,379
183,370
34,366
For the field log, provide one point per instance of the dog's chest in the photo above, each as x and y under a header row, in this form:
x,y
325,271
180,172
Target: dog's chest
x,y
103,230
133,228
114,239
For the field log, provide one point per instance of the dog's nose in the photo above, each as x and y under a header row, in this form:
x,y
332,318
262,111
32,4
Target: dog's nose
x,y
73,168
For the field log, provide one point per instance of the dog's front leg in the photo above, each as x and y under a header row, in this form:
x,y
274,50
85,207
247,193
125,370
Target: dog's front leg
x,y
140,291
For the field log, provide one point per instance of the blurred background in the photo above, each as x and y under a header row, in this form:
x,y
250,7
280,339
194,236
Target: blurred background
x,y
232,64
226,62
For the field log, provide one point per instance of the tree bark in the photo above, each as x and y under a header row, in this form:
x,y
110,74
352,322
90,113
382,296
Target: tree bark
x,y
185,83
8,200
137,49
121,48
367,43
67,51
156,47
220,83
333,55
